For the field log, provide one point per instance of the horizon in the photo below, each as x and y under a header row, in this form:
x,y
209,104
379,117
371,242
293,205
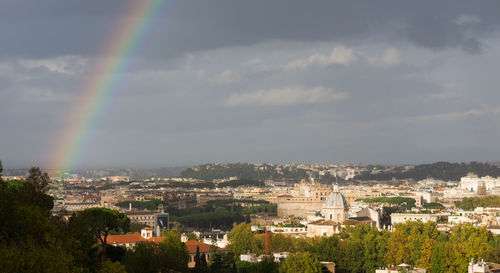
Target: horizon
x,y
187,166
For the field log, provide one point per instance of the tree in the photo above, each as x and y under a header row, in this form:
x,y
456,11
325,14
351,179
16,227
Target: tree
x,y
143,258
241,239
425,259
437,258
100,222
204,261
353,251
301,263
192,236
112,267
397,248
326,248
173,253
197,262
38,180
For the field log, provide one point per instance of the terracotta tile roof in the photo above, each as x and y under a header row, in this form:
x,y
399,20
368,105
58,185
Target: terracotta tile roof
x,y
131,238
204,248
325,223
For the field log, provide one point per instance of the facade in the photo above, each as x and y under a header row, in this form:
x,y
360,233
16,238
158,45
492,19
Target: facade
x,y
483,267
424,217
204,196
305,198
144,217
288,231
472,182
153,219
372,214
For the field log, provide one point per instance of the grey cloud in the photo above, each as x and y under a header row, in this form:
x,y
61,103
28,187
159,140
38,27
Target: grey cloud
x,y
285,96
58,27
407,88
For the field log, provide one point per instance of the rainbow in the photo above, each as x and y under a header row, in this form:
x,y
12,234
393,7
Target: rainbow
x,y
102,81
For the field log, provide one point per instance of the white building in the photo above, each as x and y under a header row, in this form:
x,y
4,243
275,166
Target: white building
x,y
483,267
424,217
471,182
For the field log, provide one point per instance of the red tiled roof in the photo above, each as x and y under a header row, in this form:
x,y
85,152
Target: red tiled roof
x,y
204,248
131,238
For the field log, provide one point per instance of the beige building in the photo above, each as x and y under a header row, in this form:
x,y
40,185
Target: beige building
x,y
335,208
329,227
335,213
424,217
305,198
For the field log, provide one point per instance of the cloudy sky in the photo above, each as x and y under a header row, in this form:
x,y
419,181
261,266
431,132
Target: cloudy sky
x,y
387,82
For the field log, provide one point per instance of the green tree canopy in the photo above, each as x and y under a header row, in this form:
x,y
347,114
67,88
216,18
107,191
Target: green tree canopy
x,y
173,253
241,239
143,258
100,222
300,263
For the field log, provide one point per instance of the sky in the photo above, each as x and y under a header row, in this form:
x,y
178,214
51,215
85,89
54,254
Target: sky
x,y
370,82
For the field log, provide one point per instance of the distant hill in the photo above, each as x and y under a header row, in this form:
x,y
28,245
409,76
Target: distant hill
x,y
212,171
440,170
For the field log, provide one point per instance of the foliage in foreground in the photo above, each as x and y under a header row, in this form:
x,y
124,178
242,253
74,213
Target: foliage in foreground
x,y
364,249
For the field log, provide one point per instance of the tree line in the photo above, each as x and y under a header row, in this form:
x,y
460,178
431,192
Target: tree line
x,y
33,240
470,203
364,248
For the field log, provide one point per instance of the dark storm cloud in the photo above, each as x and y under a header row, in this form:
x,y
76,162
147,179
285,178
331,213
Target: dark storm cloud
x,y
57,27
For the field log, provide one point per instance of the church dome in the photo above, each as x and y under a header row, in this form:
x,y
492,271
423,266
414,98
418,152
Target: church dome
x,y
336,199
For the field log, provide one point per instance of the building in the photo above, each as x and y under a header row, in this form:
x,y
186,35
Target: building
x,y
287,231
329,227
424,217
483,267
370,213
204,196
306,197
335,213
153,219
203,248
471,182
144,217
130,240
335,208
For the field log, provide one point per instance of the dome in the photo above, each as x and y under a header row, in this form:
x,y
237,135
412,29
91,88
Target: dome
x,y
336,200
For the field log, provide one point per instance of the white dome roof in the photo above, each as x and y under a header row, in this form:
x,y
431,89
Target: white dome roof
x,y
336,200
